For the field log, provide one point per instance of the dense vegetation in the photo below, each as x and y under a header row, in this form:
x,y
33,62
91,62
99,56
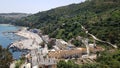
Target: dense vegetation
x,y
5,58
71,64
100,17
20,62
107,59
11,18
4,20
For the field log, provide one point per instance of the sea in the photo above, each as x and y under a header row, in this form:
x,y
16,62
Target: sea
x,y
7,37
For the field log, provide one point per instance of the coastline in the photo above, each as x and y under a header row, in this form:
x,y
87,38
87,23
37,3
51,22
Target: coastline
x,y
7,36
6,25
32,40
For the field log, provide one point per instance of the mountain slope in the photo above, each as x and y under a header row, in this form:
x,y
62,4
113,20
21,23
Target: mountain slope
x,y
100,17
11,17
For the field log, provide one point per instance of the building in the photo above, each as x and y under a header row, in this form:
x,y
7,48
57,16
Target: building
x,y
61,54
61,44
39,59
73,53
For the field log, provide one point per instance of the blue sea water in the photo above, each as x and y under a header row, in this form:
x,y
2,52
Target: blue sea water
x,y
7,38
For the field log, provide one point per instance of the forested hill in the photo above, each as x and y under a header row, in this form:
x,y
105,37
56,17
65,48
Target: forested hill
x,y
100,17
11,17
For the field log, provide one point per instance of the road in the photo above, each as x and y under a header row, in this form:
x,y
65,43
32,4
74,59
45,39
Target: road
x,y
97,39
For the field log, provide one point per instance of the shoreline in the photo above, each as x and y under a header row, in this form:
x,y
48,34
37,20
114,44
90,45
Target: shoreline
x,y
8,36
32,40
6,24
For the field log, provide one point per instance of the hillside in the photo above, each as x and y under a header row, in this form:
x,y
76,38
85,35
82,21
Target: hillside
x,y
11,17
100,17
84,34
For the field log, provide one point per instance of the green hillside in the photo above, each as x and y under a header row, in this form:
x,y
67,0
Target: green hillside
x,y
11,17
100,17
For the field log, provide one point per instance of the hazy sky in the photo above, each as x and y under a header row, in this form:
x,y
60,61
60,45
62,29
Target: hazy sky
x,y
32,6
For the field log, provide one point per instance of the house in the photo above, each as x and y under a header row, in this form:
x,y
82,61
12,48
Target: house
x,y
48,63
64,54
72,53
61,44
45,38
39,59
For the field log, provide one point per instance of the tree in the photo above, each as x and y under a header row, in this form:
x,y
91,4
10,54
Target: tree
x,y
109,59
5,58
68,64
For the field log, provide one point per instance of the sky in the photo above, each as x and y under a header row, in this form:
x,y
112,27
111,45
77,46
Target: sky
x,y
32,6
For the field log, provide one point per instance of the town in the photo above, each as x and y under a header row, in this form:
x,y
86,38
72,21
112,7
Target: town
x,y
60,34
45,52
